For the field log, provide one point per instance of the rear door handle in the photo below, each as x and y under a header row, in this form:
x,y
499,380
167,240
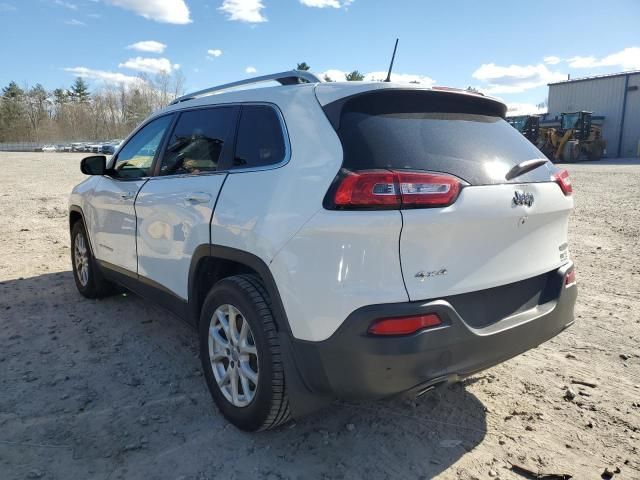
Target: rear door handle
x,y
197,197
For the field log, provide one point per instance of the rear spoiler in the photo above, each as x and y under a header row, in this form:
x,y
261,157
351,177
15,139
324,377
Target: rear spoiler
x,y
413,100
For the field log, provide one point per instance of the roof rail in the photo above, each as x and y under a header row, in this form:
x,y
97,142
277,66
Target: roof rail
x,y
292,77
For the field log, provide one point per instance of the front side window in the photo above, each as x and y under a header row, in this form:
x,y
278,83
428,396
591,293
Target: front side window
x,y
196,143
136,157
260,139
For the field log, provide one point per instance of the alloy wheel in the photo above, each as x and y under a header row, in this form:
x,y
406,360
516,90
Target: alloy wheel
x,y
233,355
81,257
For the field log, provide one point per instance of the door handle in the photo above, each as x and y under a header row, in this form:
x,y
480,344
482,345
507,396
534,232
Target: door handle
x,y
126,195
197,197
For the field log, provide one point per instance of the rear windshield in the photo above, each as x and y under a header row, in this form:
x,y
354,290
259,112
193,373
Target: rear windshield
x,y
433,131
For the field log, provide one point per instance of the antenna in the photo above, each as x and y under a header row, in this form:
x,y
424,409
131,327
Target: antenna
x,y
393,57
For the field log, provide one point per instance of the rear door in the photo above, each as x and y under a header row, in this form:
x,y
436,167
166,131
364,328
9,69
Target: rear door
x,y
174,208
496,231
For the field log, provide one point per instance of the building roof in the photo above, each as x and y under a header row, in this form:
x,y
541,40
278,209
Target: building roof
x,y
596,77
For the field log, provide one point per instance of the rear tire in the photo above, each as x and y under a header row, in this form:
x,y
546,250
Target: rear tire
x,y
86,273
241,356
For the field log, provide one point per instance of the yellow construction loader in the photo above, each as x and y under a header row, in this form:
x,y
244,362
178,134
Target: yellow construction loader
x,y
576,136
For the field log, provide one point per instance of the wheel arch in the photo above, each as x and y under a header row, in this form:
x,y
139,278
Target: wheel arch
x,y
75,214
212,263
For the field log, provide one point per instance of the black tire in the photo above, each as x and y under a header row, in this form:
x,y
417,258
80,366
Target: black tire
x,y
269,407
96,285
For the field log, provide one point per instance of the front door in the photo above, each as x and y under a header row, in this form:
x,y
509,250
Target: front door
x,y
174,208
113,230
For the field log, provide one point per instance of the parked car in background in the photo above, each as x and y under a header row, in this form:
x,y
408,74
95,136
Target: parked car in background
x,y
49,148
76,147
346,241
63,148
108,149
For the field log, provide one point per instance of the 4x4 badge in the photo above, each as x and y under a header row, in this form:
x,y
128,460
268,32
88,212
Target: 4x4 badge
x,y
522,198
435,273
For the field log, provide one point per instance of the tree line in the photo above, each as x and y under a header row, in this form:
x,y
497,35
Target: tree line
x,y
35,114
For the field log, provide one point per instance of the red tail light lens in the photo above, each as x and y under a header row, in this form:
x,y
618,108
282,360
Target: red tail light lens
x,y
370,188
562,179
404,325
367,188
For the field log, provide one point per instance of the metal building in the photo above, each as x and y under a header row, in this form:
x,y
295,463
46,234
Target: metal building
x,y
615,97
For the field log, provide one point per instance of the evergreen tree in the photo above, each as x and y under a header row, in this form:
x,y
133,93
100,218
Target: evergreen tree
x,y
80,91
303,66
12,113
355,76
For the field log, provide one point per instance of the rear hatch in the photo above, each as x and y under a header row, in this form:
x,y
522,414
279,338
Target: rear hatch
x,y
442,159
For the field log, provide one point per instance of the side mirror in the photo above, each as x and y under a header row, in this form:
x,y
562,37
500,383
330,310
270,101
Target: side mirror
x,y
96,165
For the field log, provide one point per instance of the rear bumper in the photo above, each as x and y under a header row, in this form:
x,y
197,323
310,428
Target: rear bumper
x,y
352,364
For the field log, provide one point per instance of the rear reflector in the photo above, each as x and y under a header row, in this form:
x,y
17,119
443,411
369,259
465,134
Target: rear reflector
x,y
389,188
570,279
562,179
404,325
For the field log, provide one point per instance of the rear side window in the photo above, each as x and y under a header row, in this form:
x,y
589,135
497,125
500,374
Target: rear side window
x,y
434,131
197,141
260,140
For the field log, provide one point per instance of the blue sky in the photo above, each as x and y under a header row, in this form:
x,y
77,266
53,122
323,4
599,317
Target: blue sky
x,y
500,47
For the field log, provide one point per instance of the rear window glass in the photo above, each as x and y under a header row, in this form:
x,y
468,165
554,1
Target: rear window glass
x,y
197,141
260,139
433,131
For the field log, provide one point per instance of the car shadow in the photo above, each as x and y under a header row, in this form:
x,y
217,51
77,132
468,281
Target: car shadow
x,y
112,389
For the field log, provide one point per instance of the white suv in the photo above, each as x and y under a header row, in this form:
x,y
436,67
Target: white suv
x,y
332,240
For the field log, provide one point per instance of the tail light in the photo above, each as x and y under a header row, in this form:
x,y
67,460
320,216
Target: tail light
x,y
570,278
404,325
562,178
395,189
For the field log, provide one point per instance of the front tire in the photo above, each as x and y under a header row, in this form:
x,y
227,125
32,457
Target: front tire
x,y
241,356
89,281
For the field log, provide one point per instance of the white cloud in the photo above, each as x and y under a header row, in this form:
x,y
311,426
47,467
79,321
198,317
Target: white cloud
x,y
340,76
150,65
250,70
215,52
552,60
164,11
75,23
514,109
150,46
627,59
70,6
244,10
103,76
326,3
514,78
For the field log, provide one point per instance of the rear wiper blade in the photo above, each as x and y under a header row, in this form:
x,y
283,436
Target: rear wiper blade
x,y
524,167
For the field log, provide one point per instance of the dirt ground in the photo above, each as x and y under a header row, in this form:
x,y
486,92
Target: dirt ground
x,y
112,389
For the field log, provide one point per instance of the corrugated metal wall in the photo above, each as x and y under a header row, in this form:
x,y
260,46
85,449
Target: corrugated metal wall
x,y
602,96
631,133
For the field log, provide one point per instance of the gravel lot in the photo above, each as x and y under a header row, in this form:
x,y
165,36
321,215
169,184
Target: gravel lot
x,y
112,389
